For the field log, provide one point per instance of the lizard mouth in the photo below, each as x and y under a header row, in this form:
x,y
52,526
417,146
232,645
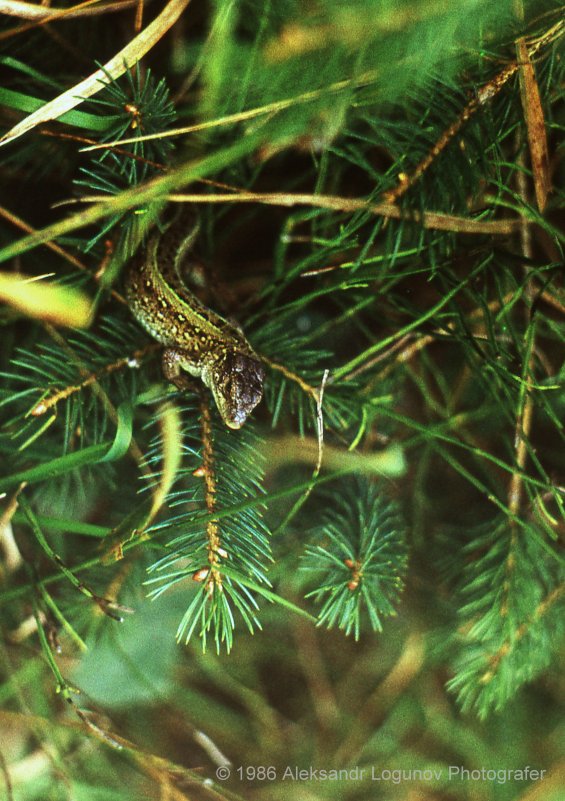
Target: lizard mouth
x,y
237,421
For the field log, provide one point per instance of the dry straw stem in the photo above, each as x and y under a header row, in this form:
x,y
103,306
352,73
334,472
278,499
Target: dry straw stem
x,y
23,226
118,65
535,125
248,114
31,11
428,219
413,347
117,150
525,410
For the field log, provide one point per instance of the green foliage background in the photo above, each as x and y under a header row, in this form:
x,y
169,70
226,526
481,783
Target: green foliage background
x,y
431,533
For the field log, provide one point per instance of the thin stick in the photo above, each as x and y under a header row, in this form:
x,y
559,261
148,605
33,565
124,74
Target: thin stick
x,y
127,361
42,14
427,219
23,226
320,431
211,575
105,605
304,386
483,96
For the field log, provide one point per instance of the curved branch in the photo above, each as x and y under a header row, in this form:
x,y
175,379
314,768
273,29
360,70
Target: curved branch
x,y
31,11
120,63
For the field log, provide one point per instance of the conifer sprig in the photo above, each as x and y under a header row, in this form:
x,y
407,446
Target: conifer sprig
x,y
511,598
358,558
220,470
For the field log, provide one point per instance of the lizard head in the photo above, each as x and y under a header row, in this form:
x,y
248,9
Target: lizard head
x,y
236,381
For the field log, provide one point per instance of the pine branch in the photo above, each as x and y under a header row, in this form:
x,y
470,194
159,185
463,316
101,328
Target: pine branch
x,y
222,556
360,563
511,614
484,95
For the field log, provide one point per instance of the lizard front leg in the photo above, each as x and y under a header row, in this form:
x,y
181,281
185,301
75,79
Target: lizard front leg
x,y
174,361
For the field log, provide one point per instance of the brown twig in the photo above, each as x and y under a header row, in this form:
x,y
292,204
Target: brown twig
x,y
522,429
427,219
134,450
43,13
210,575
525,410
23,226
483,96
138,22
534,119
415,346
304,386
437,221
541,609
127,361
85,140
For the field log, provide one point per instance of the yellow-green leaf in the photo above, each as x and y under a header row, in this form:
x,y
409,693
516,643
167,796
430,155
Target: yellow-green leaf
x,y
290,448
45,300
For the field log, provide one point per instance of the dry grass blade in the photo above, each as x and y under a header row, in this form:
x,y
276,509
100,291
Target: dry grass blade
x,y
23,10
248,114
120,63
171,432
428,219
535,125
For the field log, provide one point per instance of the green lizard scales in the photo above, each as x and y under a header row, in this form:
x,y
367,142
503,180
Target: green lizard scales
x,y
196,339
